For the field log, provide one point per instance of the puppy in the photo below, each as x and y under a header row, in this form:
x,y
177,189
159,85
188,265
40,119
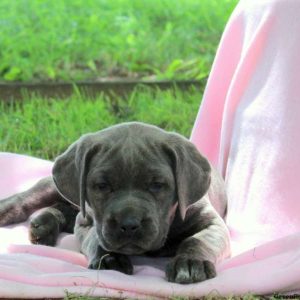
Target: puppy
x,y
139,190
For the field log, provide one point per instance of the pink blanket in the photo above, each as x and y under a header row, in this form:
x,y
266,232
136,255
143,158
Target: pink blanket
x,y
249,127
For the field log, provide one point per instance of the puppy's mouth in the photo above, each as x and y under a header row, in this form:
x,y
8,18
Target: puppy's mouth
x,y
128,248
131,249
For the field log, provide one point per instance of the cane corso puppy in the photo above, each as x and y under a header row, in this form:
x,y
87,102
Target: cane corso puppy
x,y
139,190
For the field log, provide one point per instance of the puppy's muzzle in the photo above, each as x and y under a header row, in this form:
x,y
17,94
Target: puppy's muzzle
x,y
127,226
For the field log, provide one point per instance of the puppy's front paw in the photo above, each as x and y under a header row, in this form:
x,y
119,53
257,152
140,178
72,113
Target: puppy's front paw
x,y
44,229
189,270
112,261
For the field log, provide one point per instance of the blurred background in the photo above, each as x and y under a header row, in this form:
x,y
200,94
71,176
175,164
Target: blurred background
x,y
47,41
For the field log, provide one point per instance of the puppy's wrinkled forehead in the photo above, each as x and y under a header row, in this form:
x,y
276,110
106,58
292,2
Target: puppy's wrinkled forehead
x,y
131,150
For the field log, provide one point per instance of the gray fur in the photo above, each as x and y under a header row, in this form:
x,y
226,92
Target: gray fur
x,y
142,191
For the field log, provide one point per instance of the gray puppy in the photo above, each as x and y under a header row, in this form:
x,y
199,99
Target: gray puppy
x,y
140,191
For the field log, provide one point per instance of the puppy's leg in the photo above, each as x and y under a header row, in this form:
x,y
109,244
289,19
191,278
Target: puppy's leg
x,y
46,224
98,258
197,255
19,207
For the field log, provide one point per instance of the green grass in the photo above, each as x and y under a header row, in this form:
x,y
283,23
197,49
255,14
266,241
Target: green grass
x,y
88,39
45,128
70,296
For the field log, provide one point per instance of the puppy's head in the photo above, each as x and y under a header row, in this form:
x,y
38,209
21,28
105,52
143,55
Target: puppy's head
x,y
132,178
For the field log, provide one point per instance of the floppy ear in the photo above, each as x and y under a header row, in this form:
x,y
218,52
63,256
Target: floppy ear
x,y
70,170
192,172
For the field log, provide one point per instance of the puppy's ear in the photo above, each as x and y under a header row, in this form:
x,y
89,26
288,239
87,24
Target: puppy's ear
x,y
192,172
70,170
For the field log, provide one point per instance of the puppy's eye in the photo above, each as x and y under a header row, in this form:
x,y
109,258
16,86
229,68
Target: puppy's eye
x,y
156,187
103,187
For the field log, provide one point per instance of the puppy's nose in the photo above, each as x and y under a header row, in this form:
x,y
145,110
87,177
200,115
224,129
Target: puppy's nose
x,y
129,226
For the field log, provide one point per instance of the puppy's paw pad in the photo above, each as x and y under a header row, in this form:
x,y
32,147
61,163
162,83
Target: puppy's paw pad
x,y
112,261
189,270
44,229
